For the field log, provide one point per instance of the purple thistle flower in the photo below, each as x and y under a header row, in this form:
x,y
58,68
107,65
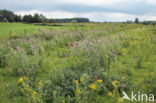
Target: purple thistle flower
x,y
113,55
36,66
77,44
134,57
68,47
72,44
16,47
65,55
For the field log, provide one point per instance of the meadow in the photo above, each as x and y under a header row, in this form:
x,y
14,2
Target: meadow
x,y
76,62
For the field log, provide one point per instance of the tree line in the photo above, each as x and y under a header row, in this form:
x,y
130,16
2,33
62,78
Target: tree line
x,y
9,16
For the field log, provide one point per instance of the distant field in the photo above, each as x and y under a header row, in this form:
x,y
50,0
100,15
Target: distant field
x,y
19,28
76,63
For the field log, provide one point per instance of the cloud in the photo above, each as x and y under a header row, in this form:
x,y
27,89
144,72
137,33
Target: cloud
x,y
97,10
93,16
91,2
152,2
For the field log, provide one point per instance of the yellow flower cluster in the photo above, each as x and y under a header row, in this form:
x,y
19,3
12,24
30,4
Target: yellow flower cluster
x,y
78,91
76,82
93,86
123,77
99,81
115,83
152,73
110,93
34,93
56,59
120,100
20,80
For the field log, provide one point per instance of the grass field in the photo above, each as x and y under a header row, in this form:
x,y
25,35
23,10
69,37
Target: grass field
x,y
76,63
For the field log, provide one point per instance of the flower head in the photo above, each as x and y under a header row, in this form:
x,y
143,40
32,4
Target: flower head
x,y
123,77
134,57
20,80
120,100
99,81
115,83
76,82
34,93
78,91
152,73
93,86
110,93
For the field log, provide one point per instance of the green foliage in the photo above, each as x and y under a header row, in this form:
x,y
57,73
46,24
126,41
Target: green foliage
x,y
93,64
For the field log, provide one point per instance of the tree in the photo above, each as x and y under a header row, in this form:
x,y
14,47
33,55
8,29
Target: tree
x,y
0,18
28,18
18,18
136,20
9,15
42,18
36,18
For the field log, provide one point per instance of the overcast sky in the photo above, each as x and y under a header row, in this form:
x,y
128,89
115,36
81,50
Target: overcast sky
x,y
96,10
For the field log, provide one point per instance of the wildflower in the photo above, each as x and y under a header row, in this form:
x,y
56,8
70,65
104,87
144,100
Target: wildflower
x,y
68,47
93,86
20,80
36,66
40,83
82,79
123,77
99,81
136,83
63,101
77,44
72,44
76,82
65,55
54,92
78,91
25,77
71,56
134,57
110,93
34,93
152,73
56,59
120,100
96,77
16,47
115,83
113,55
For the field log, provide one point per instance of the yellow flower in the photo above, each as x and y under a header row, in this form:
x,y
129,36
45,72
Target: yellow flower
x,y
56,59
54,92
152,73
123,77
40,83
71,56
78,91
110,93
20,80
99,81
34,93
93,86
120,100
76,82
63,101
12,34
82,79
115,83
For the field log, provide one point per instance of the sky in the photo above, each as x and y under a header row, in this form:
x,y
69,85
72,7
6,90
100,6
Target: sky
x,y
95,10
